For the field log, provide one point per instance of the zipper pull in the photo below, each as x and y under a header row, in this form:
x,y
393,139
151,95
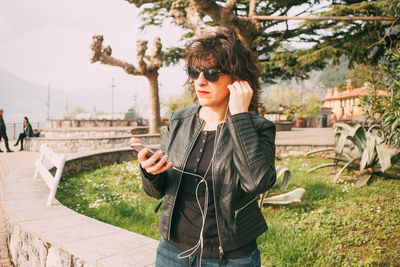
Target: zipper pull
x,y
221,255
158,206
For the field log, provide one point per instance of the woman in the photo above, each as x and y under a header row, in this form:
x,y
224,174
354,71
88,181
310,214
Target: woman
x,y
218,157
27,132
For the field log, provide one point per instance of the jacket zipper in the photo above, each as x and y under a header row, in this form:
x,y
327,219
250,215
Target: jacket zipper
x,y
180,179
248,203
221,251
235,226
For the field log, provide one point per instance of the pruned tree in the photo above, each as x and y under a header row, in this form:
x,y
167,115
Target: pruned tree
x,y
147,66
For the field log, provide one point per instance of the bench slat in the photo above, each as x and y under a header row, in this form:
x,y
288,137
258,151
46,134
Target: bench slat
x,y
46,175
52,182
55,159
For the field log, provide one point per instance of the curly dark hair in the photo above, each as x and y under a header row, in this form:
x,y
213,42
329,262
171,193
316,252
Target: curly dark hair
x,y
224,50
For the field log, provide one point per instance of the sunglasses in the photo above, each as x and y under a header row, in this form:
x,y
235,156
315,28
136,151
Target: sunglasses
x,y
211,75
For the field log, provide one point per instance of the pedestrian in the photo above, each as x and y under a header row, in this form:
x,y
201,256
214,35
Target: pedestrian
x,y
27,131
215,159
3,132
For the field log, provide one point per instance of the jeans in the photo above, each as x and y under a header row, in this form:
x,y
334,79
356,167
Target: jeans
x,y
167,256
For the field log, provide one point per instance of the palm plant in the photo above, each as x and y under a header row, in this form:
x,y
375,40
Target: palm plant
x,y
365,150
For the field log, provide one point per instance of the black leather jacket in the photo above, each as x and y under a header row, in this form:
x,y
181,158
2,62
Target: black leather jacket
x,y
243,167
28,130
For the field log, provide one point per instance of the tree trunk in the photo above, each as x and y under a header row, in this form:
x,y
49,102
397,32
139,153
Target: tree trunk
x,y
154,120
146,67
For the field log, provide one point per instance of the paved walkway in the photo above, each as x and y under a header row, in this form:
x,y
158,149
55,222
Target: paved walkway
x,y
9,162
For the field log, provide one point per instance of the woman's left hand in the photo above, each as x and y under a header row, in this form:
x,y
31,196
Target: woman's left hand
x,y
240,97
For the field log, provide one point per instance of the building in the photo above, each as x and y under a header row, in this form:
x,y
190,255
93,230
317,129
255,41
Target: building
x,y
345,105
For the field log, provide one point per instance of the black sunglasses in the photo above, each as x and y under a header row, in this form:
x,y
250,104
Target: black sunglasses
x,y
211,75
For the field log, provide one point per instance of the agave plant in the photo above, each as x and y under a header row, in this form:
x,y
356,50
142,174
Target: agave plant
x,y
287,198
359,149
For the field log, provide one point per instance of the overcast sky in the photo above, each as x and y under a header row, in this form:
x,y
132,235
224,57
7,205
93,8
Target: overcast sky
x,y
47,41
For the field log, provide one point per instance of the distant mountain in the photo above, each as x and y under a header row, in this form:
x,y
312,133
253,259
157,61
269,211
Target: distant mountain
x,y
19,98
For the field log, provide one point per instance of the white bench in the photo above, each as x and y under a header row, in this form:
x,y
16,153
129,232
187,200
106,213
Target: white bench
x,y
52,182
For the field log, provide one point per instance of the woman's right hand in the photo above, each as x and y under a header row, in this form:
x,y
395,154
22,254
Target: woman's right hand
x,y
154,165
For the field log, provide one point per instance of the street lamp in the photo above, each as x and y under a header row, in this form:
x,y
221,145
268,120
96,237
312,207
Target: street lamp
x,y
112,98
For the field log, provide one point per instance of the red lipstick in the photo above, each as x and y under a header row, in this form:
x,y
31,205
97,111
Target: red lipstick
x,y
201,92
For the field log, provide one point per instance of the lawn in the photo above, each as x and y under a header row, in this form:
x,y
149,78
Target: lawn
x,y
337,224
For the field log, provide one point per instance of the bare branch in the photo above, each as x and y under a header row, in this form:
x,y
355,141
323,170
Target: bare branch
x,y
245,27
189,17
178,13
326,18
156,55
252,8
139,3
230,4
143,62
103,55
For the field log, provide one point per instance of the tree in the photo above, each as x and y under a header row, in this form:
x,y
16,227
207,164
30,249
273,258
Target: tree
x,y
176,103
131,114
294,104
147,66
312,106
200,16
360,41
335,75
362,74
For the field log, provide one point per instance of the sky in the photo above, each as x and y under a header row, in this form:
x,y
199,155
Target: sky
x,y
47,42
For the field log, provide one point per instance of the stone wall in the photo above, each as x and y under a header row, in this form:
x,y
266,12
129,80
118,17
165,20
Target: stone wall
x,y
27,249
92,132
95,123
283,126
101,158
79,145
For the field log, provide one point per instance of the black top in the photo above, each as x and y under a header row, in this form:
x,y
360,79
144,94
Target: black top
x,y
187,220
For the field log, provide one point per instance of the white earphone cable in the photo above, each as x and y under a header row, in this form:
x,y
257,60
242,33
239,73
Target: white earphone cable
x,y
189,252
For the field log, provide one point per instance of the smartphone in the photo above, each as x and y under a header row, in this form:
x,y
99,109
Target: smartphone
x,y
140,146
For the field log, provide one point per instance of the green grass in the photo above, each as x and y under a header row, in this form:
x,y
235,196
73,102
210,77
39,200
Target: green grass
x,y
337,224
112,194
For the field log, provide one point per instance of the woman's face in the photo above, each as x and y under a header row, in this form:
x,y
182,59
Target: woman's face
x,y
212,94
